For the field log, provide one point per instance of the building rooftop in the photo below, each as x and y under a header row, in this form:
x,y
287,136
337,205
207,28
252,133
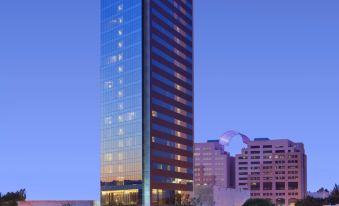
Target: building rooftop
x,y
213,140
261,139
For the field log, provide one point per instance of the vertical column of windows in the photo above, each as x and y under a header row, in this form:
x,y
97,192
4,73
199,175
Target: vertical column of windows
x,y
121,108
172,95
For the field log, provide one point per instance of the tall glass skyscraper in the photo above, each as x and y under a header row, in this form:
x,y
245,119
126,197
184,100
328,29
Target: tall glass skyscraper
x,y
146,101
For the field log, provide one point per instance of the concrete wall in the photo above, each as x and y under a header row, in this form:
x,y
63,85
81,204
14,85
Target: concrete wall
x,y
229,196
220,196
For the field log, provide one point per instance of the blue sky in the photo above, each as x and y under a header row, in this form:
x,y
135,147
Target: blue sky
x,y
265,68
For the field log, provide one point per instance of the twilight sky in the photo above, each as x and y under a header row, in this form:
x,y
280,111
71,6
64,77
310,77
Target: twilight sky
x,y
266,68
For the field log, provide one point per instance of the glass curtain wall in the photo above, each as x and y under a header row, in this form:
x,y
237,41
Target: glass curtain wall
x,y
121,102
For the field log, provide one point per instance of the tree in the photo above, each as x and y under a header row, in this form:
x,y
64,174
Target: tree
x,y
196,201
11,198
185,200
310,201
334,196
258,202
323,190
331,200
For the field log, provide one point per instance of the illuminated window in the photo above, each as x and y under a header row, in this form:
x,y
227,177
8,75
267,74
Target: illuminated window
x,y
113,59
154,113
120,93
108,157
130,116
121,106
120,32
121,20
108,84
120,69
120,131
108,120
121,81
178,134
120,57
120,44
120,7
120,118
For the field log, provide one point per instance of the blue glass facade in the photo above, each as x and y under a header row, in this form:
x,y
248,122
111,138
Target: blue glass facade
x,y
146,101
121,106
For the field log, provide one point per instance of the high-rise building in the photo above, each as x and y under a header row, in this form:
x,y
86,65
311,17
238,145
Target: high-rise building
x,y
273,169
147,101
213,166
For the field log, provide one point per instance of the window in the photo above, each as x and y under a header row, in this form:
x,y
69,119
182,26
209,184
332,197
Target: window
x,y
255,186
280,185
293,185
255,152
267,185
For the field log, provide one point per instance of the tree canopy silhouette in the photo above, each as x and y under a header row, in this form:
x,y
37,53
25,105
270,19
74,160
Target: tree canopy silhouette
x,y
11,198
258,202
331,200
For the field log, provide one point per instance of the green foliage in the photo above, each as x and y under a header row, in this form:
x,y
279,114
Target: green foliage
x,y
310,201
258,202
334,196
11,198
331,200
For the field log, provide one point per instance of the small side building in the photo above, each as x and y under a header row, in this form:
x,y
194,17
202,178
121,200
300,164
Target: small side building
x,y
213,166
220,196
214,176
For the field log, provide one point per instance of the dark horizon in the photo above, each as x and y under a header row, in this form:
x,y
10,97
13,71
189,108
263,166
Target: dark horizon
x,y
263,68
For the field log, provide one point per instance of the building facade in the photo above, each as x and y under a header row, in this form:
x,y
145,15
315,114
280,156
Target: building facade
x,y
146,101
212,165
273,169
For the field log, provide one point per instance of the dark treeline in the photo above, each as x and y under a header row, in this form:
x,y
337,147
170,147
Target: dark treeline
x,y
11,198
331,200
258,202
